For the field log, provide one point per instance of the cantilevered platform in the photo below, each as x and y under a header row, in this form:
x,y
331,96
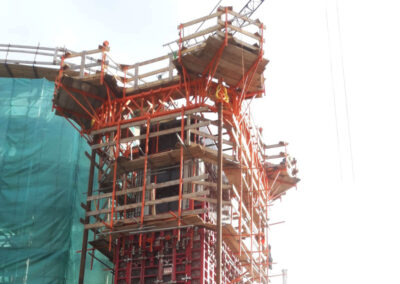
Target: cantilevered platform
x,y
235,61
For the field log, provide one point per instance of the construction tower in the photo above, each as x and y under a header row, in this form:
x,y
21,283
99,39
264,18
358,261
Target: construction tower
x,y
180,178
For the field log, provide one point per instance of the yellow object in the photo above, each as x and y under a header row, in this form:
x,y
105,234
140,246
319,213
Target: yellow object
x,y
222,93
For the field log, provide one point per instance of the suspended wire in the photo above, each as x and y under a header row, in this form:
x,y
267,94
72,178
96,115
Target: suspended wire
x,y
345,90
333,92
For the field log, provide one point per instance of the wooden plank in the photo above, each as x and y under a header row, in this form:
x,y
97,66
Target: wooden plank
x,y
157,225
149,218
240,42
212,184
33,47
171,157
148,74
193,48
153,84
201,33
280,144
202,19
212,200
93,51
280,155
149,202
151,135
212,137
148,187
27,51
256,37
152,120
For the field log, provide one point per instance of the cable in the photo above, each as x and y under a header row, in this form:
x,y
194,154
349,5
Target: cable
x,y
333,93
345,90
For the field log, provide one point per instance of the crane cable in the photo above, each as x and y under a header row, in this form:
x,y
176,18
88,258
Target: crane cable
x,y
345,90
333,92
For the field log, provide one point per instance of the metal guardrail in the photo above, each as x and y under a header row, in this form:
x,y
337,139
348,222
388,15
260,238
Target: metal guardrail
x,y
85,63
91,62
46,56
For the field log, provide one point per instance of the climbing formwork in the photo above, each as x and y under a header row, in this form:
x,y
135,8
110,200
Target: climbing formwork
x,y
180,178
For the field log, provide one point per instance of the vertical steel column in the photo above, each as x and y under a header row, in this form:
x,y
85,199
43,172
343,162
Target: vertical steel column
x,y
174,244
241,189
218,249
146,153
86,231
116,259
181,173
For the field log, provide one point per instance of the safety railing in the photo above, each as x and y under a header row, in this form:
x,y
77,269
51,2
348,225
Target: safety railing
x,y
141,74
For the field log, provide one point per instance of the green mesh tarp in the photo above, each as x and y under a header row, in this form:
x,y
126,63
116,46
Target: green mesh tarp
x,y
43,179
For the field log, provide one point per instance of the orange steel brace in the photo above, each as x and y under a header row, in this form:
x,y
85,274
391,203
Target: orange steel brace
x,y
60,110
78,102
146,153
211,68
241,188
259,228
96,119
83,93
238,278
251,211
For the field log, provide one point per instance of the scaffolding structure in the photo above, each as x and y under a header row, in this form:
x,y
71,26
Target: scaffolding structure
x,y
180,179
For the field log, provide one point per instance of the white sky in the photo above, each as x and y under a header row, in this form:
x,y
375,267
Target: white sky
x,y
337,230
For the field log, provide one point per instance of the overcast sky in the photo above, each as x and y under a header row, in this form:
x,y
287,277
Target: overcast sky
x,y
340,227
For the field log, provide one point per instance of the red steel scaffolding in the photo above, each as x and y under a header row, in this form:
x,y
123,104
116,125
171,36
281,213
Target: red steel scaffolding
x,y
182,175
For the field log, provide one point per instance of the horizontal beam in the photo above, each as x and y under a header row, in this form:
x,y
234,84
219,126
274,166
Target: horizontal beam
x,y
280,155
202,19
202,33
151,135
240,30
212,137
212,184
148,187
147,203
212,200
34,51
29,62
84,53
155,72
148,218
280,144
152,120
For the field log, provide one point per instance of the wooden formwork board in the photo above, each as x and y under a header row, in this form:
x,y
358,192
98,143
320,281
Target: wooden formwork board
x,y
32,72
233,64
148,219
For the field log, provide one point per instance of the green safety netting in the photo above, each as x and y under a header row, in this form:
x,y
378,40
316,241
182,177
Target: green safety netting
x,y
43,180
